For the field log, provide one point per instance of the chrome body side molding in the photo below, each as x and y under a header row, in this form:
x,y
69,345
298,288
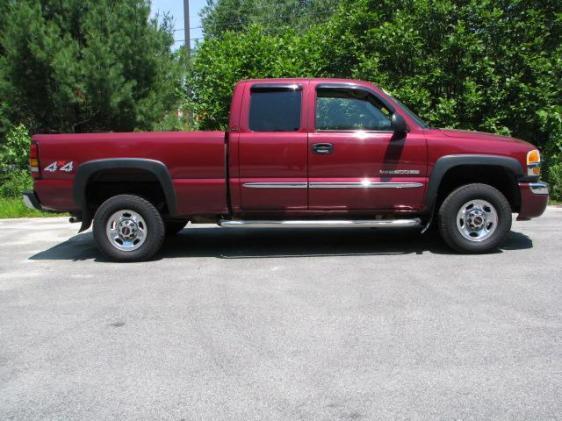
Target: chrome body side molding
x,y
364,185
276,185
333,185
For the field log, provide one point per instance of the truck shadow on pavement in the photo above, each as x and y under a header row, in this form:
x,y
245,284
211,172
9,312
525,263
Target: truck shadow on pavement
x,y
270,243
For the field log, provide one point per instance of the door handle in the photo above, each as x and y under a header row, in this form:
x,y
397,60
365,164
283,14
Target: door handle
x,y
323,148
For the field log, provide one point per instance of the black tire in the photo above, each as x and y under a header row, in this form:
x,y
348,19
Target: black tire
x,y
152,218
174,227
448,211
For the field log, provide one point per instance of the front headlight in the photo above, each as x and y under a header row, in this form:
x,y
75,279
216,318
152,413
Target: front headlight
x,y
534,163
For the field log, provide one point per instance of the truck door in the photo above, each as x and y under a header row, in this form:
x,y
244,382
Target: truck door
x,y
272,149
356,163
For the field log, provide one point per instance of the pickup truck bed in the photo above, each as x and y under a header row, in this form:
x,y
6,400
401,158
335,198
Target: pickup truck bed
x,y
195,162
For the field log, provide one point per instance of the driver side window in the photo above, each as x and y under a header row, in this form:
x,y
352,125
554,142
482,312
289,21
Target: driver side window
x,y
350,109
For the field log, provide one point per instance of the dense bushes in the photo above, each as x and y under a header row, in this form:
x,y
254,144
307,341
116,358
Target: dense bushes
x,y
14,152
477,64
93,65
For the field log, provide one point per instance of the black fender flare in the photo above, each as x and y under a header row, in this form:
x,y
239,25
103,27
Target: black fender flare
x,y
87,169
447,162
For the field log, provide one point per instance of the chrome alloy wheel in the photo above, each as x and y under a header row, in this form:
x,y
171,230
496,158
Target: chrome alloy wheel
x,y
477,220
126,230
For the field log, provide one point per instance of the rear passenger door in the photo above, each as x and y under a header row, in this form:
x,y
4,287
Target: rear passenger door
x,y
272,152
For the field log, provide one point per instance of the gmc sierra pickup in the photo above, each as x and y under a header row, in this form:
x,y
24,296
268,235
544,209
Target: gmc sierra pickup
x,y
297,153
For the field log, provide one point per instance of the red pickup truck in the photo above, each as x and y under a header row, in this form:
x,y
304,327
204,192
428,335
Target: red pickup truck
x,y
297,153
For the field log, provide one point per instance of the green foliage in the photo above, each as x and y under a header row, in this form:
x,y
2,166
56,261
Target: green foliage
x,y
85,65
275,16
14,153
15,183
551,123
555,178
220,16
220,63
477,64
99,65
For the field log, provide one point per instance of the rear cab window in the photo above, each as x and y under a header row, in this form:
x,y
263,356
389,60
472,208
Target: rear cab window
x,y
275,108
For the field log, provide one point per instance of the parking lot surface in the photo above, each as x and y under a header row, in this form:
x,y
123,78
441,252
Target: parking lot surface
x,y
265,324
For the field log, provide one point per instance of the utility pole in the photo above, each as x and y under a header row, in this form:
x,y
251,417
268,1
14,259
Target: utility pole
x,y
186,25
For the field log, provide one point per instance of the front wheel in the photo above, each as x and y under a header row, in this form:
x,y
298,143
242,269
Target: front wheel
x,y
128,228
475,218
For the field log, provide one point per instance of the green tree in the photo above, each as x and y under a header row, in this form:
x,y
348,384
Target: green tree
x,y
492,65
274,16
220,63
85,65
219,16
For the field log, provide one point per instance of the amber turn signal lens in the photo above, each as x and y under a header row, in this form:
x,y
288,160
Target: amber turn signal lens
x,y
533,163
533,157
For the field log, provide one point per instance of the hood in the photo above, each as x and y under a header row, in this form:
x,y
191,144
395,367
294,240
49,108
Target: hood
x,y
473,135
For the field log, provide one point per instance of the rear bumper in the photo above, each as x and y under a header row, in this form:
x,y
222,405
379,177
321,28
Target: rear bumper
x,y
31,201
534,199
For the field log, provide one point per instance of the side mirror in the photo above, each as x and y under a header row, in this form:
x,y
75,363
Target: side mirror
x,y
398,124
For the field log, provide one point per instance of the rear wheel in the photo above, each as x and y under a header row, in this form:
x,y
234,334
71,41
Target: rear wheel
x,y
128,228
475,218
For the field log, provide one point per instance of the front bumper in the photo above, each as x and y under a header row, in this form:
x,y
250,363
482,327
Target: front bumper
x,y
534,199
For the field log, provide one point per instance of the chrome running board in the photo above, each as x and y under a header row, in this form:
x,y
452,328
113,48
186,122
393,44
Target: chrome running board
x,y
360,223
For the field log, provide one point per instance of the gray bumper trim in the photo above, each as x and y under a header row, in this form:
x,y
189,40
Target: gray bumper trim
x,y
31,201
539,188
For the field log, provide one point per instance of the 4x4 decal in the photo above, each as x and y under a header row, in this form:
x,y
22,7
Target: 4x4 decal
x,y
65,166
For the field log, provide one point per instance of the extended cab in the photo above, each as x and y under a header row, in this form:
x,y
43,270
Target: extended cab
x,y
297,153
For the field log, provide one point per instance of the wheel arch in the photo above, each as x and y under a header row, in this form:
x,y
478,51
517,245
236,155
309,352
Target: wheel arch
x,y
87,171
447,165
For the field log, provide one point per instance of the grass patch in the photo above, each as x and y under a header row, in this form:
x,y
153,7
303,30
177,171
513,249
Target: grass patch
x,y
14,208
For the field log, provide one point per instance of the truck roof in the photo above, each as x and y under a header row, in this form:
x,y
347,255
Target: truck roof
x,y
310,79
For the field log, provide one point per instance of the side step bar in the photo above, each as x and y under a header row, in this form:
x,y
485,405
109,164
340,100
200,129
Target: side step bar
x,y
373,223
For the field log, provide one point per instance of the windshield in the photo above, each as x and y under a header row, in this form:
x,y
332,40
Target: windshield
x,y
411,114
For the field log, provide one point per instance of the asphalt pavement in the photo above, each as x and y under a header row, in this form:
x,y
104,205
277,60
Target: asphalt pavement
x,y
272,324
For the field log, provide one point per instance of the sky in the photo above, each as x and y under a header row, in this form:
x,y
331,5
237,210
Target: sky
x,y
175,8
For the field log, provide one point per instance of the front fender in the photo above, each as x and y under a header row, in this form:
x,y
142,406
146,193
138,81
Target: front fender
x,y
447,162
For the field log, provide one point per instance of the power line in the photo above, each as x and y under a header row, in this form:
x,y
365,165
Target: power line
x,y
281,12
192,39
290,10
192,28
